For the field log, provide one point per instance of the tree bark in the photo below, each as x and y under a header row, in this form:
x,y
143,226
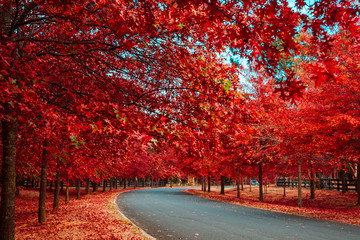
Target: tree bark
x,y
209,183
242,183
88,186
78,185
312,183
111,184
95,185
51,185
57,190
250,185
222,185
116,183
202,183
67,193
124,183
104,185
261,193
62,186
43,183
299,186
284,186
8,179
343,181
238,184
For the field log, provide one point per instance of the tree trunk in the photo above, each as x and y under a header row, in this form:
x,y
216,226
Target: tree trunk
x,y
78,185
51,185
152,181
171,183
299,186
111,184
222,185
88,186
124,183
57,190
242,183
203,183
8,179
284,186
250,185
261,194
67,193
43,183
95,185
312,183
358,183
238,184
62,186
343,181
104,185
209,183
116,183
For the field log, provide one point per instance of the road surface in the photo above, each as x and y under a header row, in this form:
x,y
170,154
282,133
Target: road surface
x,y
169,213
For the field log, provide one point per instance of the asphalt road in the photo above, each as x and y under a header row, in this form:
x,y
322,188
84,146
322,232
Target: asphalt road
x,y
169,213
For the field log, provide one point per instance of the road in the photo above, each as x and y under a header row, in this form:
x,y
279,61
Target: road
x,y
169,213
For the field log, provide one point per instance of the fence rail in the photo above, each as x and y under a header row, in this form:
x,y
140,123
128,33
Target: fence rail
x,y
324,183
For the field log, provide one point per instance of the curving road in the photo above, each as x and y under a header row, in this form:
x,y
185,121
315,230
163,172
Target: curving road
x,y
169,213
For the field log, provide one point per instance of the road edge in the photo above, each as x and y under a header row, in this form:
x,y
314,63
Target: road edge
x,y
127,219
273,210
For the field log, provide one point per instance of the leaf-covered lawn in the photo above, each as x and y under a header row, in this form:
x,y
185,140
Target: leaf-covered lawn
x,y
93,216
329,205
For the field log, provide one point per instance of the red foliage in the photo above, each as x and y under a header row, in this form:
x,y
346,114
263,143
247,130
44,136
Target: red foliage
x,y
91,217
329,205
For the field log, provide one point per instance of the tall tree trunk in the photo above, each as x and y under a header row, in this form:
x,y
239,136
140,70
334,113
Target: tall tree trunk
x,y
152,181
111,184
171,183
261,194
67,193
95,185
238,184
358,183
43,183
209,183
8,179
203,183
242,182
299,186
125,183
78,185
222,185
116,183
104,185
62,186
284,186
135,183
250,184
51,185
88,186
57,190
312,183
343,180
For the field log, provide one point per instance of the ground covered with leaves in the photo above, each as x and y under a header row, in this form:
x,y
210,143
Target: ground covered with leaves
x,y
93,216
328,204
